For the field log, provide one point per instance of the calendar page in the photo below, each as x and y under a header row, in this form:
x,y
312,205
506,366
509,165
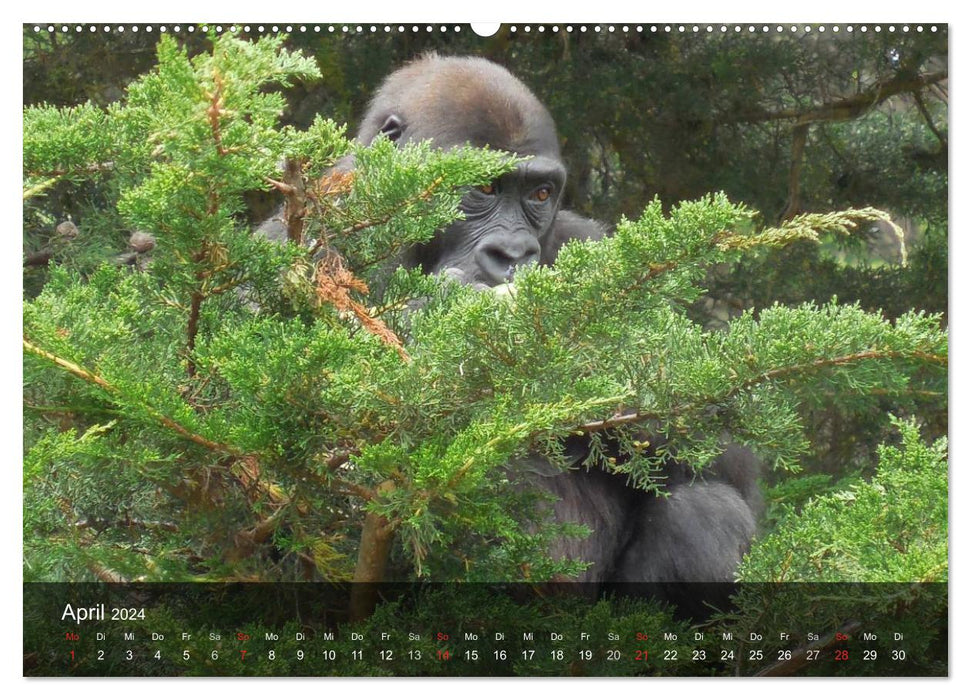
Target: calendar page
x,y
565,350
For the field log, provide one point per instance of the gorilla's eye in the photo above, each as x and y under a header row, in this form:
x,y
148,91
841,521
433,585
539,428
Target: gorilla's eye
x,y
542,194
488,189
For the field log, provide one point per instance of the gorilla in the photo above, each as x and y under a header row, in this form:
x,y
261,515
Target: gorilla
x,y
510,222
701,529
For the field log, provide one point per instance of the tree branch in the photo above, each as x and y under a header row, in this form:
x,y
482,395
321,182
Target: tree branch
x,y
844,109
215,112
164,420
84,169
772,374
295,199
799,658
927,118
423,196
192,329
38,259
334,286
799,134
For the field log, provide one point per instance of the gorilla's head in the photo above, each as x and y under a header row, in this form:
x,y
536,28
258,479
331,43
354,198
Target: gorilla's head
x,y
458,101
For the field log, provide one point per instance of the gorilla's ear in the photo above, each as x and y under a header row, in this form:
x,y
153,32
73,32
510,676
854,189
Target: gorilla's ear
x,y
393,127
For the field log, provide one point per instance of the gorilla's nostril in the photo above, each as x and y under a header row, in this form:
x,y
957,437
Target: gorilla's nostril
x,y
499,261
501,258
517,252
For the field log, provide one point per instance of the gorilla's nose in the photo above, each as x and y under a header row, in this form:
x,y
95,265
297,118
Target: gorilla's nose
x,y
498,259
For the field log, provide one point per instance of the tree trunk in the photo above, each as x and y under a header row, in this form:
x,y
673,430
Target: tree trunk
x,y
372,560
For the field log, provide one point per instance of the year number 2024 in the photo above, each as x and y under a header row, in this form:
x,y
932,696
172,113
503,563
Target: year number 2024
x,y
128,613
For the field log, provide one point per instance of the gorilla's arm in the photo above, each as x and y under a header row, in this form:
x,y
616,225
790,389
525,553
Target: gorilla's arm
x,y
701,530
698,532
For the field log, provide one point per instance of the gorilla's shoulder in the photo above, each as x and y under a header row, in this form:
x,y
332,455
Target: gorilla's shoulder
x,y
570,226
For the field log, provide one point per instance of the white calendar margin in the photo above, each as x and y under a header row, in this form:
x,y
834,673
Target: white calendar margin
x,y
436,12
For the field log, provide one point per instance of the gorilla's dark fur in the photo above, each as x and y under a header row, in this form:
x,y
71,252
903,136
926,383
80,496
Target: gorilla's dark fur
x,y
698,533
702,528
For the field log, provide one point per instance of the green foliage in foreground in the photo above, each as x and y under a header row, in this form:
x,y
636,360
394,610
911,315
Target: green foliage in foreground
x,y
235,408
891,528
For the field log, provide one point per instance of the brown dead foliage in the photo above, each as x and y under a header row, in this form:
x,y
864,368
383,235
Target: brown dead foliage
x,y
334,286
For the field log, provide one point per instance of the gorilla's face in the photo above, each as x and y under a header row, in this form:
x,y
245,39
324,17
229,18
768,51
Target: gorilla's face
x,y
470,101
504,226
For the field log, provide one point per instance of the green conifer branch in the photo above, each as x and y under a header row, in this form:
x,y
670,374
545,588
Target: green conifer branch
x,y
162,419
768,376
